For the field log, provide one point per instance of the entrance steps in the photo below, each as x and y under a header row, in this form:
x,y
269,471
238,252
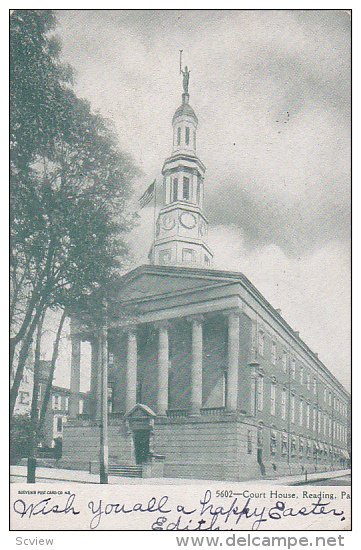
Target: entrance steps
x,y
125,470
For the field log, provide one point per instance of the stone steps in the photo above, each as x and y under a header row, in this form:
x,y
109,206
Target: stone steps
x,y
125,470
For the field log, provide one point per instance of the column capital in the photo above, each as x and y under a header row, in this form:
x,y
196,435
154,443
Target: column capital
x,y
130,329
195,318
162,324
231,313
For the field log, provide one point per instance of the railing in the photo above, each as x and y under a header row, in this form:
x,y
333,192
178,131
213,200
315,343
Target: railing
x,y
177,413
213,411
183,413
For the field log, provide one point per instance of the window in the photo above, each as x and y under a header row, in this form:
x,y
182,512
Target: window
x,y
198,190
301,412
206,260
179,136
81,406
110,399
314,386
273,398
261,342
249,442
274,353
273,442
308,414
194,139
164,257
293,369
283,403
300,446
301,375
325,395
67,403
24,397
284,447
187,255
284,361
186,189
330,399
187,136
293,412
314,419
56,402
325,424
319,422
111,358
260,393
329,428
59,424
308,381
175,189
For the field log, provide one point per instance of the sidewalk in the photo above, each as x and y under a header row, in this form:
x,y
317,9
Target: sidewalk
x,y
53,475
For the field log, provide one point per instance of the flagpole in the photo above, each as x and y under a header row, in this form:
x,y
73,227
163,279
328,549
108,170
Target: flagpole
x,y
155,211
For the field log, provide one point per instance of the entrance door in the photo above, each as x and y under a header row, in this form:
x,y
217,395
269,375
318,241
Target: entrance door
x,y
141,445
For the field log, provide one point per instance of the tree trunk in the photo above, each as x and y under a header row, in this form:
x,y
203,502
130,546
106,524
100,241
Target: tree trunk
x,y
31,464
49,384
23,355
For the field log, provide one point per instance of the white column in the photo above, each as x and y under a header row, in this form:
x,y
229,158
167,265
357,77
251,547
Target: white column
x,y
233,362
197,365
163,363
75,376
131,372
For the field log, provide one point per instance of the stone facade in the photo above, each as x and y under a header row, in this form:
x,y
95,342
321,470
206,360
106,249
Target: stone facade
x,y
234,392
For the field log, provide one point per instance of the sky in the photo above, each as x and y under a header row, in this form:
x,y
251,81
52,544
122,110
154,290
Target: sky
x,y
271,90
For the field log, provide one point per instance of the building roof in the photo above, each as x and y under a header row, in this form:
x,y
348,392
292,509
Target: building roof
x,y
184,109
230,277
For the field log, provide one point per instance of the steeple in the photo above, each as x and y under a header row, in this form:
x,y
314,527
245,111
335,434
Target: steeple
x,y
181,227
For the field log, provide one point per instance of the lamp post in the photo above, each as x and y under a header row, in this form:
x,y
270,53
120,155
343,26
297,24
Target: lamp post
x,y
103,455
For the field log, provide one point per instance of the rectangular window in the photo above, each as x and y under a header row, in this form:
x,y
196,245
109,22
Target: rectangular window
x,y
66,403
314,386
187,136
187,255
249,442
56,402
319,422
325,424
301,375
81,406
274,353
260,393
301,412
329,428
59,424
283,403
330,399
186,189
164,257
325,395
293,369
308,414
293,412
308,382
261,343
284,361
175,189
314,419
273,398
179,136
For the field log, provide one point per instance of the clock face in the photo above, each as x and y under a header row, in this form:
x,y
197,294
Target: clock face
x,y
188,220
168,222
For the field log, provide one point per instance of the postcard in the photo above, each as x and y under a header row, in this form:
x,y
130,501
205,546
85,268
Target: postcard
x,y
180,271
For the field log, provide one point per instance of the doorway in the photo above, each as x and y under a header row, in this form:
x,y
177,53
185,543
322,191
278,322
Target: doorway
x,y
141,445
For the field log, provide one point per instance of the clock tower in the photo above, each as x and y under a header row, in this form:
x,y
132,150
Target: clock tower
x,y
181,227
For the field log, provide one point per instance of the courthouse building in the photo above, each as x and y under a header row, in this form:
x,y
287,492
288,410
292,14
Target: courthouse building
x,y
206,379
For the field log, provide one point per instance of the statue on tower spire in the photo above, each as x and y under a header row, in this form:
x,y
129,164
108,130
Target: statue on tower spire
x,y
185,73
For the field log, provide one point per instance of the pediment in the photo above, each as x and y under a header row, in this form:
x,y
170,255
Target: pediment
x,y
140,411
155,281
